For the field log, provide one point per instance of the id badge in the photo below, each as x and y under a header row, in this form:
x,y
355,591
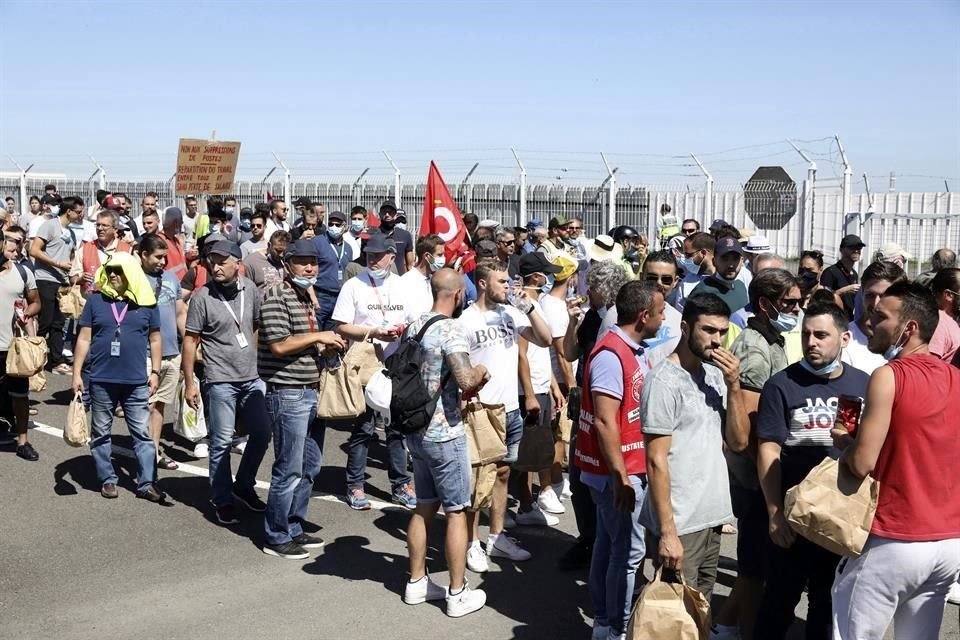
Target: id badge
x,y
340,275
115,349
242,340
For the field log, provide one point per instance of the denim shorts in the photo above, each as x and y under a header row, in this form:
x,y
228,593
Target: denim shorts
x,y
441,471
514,435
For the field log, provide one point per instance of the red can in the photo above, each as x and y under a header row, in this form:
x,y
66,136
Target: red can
x,y
849,409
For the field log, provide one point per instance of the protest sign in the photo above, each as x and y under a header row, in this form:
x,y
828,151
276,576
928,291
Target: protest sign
x,y
206,166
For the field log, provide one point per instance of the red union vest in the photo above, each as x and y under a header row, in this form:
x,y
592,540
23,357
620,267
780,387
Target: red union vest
x,y
90,258
587,455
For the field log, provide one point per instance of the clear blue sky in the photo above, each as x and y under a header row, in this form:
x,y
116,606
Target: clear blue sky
x,y
329,85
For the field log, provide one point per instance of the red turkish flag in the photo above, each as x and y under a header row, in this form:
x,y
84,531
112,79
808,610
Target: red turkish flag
x,y
441,216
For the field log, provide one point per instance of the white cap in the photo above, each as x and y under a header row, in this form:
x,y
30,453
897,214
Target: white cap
x,y
890,250
758,244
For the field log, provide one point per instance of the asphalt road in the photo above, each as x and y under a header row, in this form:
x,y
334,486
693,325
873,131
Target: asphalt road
x,y
76,566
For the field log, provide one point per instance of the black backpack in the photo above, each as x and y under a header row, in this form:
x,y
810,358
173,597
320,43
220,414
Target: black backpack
x,y
411,405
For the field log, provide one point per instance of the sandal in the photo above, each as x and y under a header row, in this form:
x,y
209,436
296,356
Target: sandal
x,y
167,464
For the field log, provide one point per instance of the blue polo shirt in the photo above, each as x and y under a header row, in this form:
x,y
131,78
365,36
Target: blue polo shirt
x,y
331,261
138,322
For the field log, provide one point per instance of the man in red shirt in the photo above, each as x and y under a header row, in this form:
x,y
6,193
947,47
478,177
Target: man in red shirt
x,y
171,233
907,440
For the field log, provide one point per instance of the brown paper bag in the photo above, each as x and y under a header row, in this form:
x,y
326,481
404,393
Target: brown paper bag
x,y
340,394
486,427
26,355
38,382
364,357
71,301
76,433
482,479
669,611
832,508
536,446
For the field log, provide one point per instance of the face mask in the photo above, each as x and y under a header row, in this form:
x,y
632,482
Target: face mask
x,y
229,211
379,274
808,279
548,285
334,232
303,283
356,226
215,227
438,262
688,265
401,225
785,322
896,348
387,225
823,371
54,211
602,312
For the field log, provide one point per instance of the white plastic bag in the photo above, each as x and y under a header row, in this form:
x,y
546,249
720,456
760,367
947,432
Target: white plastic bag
x,y
377,394
190,422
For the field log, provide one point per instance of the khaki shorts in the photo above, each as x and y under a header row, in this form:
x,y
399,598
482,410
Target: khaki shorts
x,y
169,377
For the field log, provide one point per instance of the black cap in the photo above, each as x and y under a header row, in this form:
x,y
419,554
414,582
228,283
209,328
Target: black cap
x,y
51,199
301,248
727,245
852,241
379,243
246,212
716,224
225,248
536,262
388,204
486,249
302,201
337,215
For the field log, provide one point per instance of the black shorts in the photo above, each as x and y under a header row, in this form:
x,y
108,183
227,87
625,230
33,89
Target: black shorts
x,y
753,538
14,387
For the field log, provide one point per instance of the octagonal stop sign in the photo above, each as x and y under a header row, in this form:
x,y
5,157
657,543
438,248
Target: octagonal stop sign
x,y
770,198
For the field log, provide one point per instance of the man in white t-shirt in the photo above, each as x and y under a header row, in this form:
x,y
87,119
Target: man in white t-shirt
x,y
494,329
374,306
415,283
876,279
278,218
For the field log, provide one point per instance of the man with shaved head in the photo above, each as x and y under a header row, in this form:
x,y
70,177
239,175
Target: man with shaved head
x,y
441,462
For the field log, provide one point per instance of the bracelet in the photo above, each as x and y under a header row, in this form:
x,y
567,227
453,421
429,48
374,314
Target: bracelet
x,y
154,372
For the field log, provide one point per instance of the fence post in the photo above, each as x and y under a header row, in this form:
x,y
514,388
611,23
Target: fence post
x,y
893,182
263,183
522,222
23,185
846,187
396,181
463,185
286,186
612,193
356,183
806,211
708,190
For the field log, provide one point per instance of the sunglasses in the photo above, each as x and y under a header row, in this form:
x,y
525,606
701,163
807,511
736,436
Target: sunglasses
x,y
653,279
113,271
256,226
574,228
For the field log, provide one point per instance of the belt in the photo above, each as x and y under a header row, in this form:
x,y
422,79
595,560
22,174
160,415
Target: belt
x,y
274,385
176,355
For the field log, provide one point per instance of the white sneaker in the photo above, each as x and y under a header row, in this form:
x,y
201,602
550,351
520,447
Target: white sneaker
x,y
423,590
562,489
549,501
201,450
239,445
503,546
953,595
467,601
477,558
536,518
724,632
613,635
600,632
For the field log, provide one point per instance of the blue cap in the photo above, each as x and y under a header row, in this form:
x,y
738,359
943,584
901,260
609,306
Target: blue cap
x,y
534,224
301,248
379,243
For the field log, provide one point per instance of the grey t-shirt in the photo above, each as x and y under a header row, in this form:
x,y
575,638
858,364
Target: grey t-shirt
x,y
692,411
11,289
224,359
60,244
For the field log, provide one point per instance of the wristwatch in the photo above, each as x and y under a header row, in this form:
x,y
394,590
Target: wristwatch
x,y
154,372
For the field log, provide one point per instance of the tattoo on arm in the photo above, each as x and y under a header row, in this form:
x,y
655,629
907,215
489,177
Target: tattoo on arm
x,y
462,370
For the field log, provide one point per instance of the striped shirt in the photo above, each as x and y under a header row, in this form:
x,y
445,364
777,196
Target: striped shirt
x,y
284,314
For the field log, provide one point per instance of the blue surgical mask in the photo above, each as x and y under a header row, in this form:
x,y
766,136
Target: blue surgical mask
x,y
602,312
896,348
438,262
785,322
334,232
356,226
688,265
823,371
401,225
548,285
303,283
379,274
229,211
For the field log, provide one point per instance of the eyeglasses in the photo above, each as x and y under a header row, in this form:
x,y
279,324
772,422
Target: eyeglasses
x,y
113,271
663,279
790,303
256,226
104,226
572,228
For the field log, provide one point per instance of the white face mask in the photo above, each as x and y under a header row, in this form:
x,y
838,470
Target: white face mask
x,y
380,274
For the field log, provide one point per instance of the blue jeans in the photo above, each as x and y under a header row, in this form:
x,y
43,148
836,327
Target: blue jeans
x,y
441,471
326,302
299,454
617,553
514,435
104,396
221,401
358,446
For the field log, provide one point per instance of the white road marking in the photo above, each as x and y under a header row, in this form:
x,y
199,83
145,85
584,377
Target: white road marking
x,y
204,471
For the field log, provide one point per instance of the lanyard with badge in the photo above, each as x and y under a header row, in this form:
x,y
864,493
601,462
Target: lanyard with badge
x,y
339,261
241,339
118,316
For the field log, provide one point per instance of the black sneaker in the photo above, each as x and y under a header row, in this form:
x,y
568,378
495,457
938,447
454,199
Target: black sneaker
x,y
287,550
577,557
27,452
249,499
307,541
227,514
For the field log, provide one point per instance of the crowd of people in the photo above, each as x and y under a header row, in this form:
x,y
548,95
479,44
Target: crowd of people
x,y
688,385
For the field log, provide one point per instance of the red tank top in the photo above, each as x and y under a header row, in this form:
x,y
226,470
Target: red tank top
x,y
917,467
